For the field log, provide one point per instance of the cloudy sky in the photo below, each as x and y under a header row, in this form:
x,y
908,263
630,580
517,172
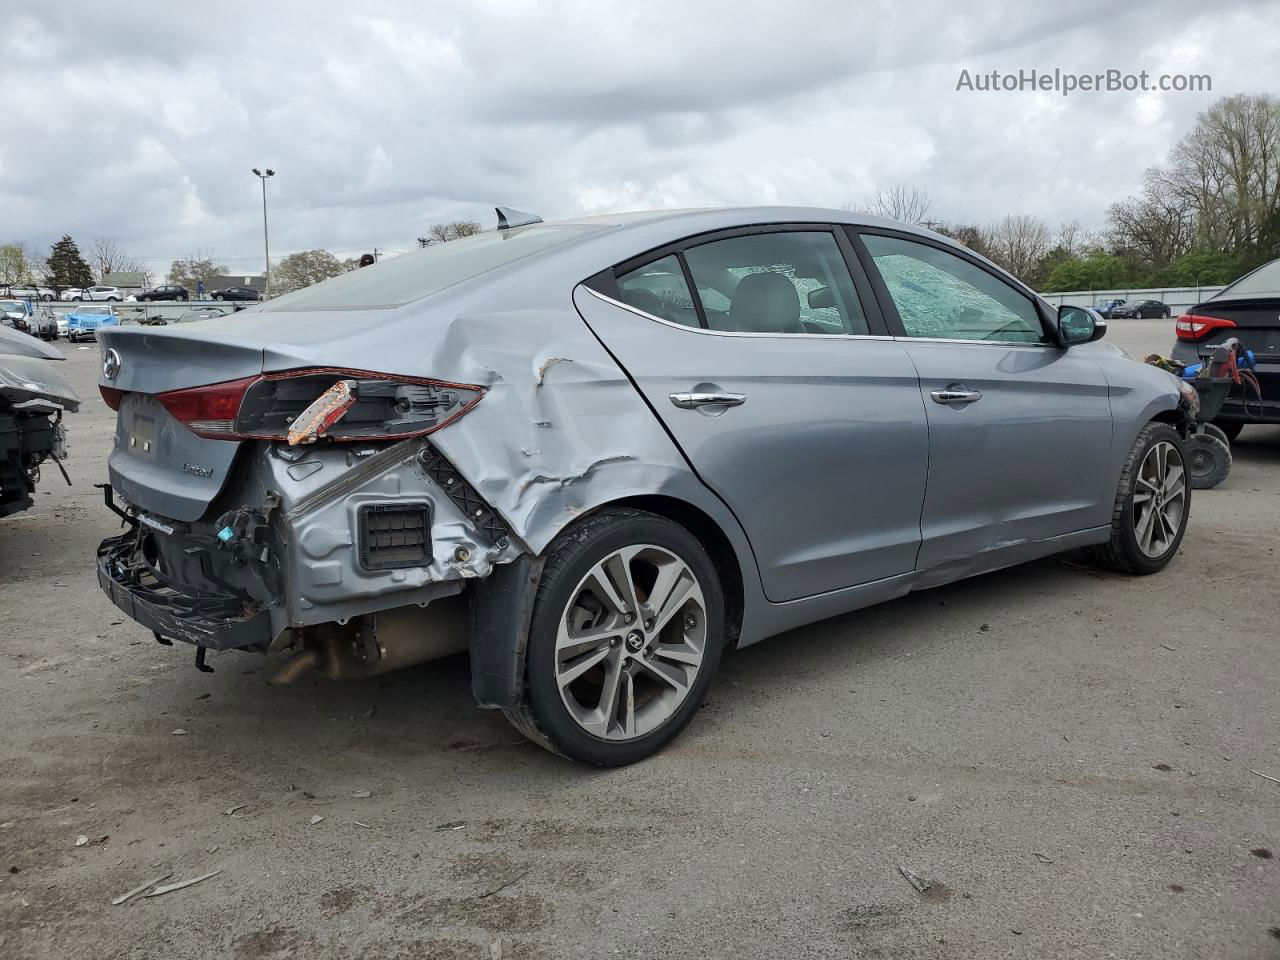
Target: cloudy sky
x,y
137,123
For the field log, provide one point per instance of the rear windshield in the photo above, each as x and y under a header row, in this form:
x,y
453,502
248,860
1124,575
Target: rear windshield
x,y
1266,279
399,280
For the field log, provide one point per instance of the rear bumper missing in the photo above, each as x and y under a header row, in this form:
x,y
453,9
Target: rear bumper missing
x,y
216,622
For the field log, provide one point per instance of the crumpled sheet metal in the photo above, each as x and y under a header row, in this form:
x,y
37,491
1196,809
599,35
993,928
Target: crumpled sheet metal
x,y
560,429
25,378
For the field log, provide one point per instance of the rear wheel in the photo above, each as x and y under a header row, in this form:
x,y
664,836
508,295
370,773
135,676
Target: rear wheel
x,y
627,632
1152,505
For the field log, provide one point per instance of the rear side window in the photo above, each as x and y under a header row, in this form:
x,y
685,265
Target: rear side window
x,y
943,296
659,289
412,276
785,282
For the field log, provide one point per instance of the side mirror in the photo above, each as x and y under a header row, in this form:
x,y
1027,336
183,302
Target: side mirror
x,y
1079,325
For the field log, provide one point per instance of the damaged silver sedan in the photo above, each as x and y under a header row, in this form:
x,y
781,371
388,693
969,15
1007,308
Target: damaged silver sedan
x,y
596,453
33,399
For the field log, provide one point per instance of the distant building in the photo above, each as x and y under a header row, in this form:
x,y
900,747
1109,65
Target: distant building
x,y
129,281
221,282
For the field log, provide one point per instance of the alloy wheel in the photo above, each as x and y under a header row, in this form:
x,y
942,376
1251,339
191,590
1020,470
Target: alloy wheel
x,y
1159,499
631,642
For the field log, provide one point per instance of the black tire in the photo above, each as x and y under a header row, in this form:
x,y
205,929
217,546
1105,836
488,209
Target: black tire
x,y
1208,457
1122,552
543,717
218,296
1230,429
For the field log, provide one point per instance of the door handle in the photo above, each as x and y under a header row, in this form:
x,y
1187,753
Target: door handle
x,y
691,401
955,394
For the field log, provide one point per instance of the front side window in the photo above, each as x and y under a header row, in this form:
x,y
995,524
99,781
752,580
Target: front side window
x,y
943,296
659,289
785,282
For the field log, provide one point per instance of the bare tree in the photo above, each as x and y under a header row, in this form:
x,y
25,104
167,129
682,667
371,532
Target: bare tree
x,y
452,230
194,267
968,234
1018,243
902,203
1157,226
106,256
1227,171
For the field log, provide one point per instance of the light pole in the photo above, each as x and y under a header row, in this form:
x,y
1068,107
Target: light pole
x,y
266,246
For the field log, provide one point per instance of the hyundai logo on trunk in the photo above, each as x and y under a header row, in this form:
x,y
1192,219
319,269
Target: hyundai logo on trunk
x,y
111,364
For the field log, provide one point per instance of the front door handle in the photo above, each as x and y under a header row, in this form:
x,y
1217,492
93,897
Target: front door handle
x,y
691,401
955,394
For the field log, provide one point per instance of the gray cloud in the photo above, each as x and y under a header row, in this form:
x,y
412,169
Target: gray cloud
x,y
142,124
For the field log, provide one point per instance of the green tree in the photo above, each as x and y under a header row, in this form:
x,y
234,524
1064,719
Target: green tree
x,y
66,267
193,268
15,267
302,269
1202,268
1098,271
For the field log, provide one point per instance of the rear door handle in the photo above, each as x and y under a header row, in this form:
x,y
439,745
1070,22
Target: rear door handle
x,y
955,394
690,401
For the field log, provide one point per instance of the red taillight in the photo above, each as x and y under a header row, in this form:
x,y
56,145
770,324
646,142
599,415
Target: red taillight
x,y
273,406
1193,326
111,396
210,411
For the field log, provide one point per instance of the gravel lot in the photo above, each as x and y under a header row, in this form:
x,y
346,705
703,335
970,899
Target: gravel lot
x,y
1065,755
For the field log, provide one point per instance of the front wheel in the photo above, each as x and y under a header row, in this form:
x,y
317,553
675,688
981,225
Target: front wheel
x,y
627,632
1152,505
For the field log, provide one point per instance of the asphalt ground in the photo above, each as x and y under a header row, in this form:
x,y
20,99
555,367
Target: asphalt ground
x,y
1064,756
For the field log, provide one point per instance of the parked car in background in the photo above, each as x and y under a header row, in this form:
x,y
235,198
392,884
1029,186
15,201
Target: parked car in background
x,y
28,292
1141,310
166,291
1249,310
43,323
28,317
203,313
62,324
33,399
113,294
1104,308
15,314
237,293
619,445
83,323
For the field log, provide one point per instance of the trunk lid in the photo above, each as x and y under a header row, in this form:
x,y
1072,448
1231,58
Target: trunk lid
x,y
158,464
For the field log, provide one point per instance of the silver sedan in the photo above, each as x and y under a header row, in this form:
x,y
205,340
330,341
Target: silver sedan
x,y
597,453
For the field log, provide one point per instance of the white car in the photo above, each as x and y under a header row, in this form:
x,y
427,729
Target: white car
x,y
71,293
94,293
62,324
29,292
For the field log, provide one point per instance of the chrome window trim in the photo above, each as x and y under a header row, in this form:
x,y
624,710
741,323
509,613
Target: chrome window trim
x,y
735,333
979,343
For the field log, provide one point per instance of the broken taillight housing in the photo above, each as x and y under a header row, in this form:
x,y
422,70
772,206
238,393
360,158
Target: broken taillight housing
x,y
375,406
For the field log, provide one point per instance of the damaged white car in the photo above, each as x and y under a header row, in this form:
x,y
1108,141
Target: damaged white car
x,y
595,453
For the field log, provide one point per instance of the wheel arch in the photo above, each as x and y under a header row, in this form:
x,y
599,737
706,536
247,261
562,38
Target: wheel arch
x,y
723,556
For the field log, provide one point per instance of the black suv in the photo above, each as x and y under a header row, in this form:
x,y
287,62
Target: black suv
x,y
168,291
